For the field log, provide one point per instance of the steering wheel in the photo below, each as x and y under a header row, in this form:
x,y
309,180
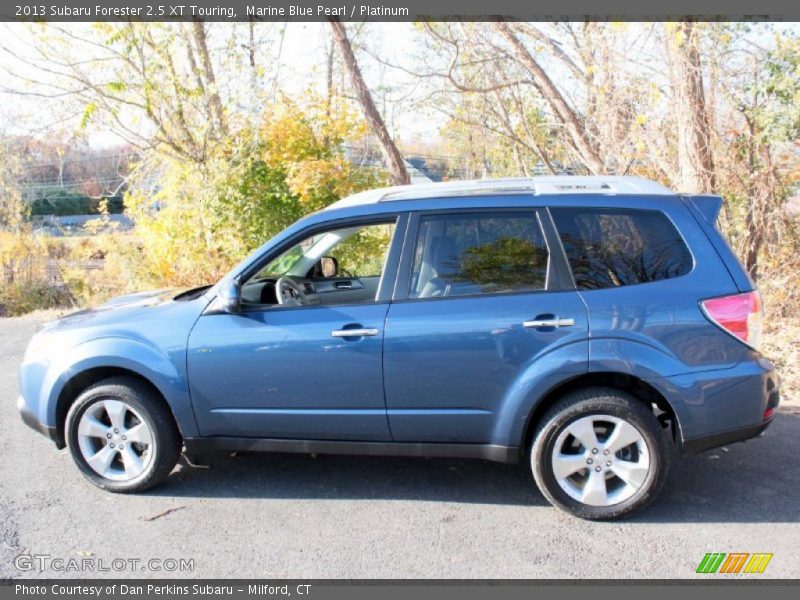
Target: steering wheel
x,y
289,292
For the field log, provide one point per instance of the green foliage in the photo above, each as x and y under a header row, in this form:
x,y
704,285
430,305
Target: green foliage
x,y
778,91
59,202
88,111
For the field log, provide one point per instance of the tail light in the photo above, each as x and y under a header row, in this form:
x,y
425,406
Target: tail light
x,y
741,315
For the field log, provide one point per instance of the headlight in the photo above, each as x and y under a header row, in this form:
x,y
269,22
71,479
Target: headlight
x,y
39,345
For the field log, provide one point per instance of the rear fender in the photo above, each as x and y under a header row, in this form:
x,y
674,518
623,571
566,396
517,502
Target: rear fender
x,y
544,373
645,361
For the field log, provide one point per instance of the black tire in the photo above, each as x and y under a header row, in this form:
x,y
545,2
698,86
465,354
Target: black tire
x,y
598,401
167,443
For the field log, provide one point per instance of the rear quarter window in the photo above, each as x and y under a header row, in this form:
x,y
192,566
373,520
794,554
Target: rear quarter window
x,y
609,248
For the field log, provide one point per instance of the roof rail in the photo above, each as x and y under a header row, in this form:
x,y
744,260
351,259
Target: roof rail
x,y
559,184
477,187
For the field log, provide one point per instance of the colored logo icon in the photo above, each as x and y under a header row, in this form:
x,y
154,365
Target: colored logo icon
x,y
735,562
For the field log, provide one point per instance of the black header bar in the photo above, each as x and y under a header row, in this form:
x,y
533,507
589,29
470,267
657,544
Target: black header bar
x,y
404,10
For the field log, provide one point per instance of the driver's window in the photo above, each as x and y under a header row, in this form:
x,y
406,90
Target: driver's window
x,y
363,254
339,266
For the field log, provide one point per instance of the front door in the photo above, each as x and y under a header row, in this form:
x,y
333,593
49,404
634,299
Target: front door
x,y
281,373
310,366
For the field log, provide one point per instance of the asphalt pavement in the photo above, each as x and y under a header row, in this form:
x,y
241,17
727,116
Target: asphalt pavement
x,y
297,516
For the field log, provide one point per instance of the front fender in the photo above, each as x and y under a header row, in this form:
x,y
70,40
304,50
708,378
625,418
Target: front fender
x,y
138,356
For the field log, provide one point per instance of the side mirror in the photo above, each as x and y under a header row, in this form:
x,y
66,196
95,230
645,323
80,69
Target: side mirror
x,y
329,266
230,296
228,299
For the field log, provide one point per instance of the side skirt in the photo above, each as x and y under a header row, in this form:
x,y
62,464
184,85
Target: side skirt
x,y
492,452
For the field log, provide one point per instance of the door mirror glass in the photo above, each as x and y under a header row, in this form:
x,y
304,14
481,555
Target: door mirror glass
x,y
329,266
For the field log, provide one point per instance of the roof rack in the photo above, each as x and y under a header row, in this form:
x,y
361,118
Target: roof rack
x,y
539,186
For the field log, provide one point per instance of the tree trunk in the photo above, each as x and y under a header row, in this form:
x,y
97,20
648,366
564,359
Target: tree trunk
x,y
695,159
394,159
208,70
560,107
753,218
329,85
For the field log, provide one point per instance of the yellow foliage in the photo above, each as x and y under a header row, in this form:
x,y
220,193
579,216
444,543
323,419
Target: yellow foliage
x,y
206,217
27,280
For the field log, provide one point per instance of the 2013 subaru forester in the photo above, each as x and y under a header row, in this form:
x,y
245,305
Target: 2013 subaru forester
x,y
585,324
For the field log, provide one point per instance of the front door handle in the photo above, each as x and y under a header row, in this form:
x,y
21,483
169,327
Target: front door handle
x,y
340,333
536,323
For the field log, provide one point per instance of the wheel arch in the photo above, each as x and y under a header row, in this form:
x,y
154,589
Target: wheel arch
x,y
82,380
637,387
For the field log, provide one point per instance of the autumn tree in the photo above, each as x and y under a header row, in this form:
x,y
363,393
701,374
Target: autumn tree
x,y
755,96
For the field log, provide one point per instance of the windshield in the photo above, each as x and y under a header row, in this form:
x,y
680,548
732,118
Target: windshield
x,y
283,263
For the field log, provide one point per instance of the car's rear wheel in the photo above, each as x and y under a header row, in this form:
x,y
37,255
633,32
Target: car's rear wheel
x,y
599,453
122,436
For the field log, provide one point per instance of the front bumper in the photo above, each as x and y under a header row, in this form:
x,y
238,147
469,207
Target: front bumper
x,y
31,421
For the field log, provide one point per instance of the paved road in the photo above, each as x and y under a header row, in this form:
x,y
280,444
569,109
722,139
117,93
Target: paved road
x,y
298,516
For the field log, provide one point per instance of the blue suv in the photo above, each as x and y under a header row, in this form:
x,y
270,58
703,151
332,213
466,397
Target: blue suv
x,y
584,324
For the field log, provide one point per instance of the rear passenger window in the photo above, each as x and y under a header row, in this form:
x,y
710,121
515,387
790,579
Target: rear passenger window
x,y
615,247
487,253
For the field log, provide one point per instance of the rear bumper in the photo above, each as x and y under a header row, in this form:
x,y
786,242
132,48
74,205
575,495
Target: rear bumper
x,y
722,406
31,421
761,393
716,440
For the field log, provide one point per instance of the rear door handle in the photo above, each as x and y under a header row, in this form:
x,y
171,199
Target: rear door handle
x,y
340,333
548,323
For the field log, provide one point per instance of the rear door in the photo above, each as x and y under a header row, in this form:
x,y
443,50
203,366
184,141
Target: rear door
x,y
481,296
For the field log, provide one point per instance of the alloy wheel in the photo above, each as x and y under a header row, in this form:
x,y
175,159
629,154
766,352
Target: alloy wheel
x,y
600,460
115,441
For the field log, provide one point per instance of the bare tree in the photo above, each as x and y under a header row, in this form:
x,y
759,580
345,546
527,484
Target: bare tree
x,y
154,84
394,159
562,110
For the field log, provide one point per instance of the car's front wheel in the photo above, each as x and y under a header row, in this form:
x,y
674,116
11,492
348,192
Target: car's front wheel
x,y
122,436
599,453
